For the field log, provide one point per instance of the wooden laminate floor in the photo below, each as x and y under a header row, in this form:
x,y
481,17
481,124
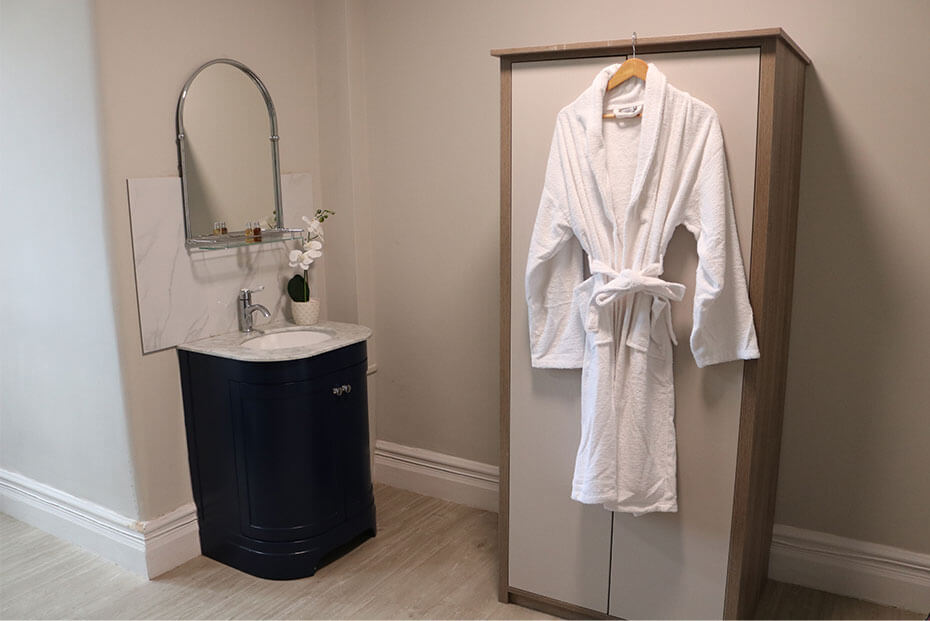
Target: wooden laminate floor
x,y
431,559
789,601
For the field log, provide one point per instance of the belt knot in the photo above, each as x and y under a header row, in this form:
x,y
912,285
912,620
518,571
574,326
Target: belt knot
x,y
611,286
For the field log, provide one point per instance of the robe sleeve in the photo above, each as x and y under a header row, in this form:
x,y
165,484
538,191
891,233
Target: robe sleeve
x,y
723,327
555,266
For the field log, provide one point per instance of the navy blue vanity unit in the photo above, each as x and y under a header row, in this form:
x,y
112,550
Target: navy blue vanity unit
x,y
279,456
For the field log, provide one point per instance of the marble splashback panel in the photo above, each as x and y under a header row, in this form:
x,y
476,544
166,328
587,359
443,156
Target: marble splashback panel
x,y
185,295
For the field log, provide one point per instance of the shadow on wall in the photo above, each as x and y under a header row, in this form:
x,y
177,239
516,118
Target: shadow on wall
x,y
845,332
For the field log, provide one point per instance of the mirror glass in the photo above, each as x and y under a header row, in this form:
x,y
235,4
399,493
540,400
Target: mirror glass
x,y
227,143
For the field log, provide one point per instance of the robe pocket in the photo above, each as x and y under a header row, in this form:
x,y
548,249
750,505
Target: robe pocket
x,y
660,339
593,317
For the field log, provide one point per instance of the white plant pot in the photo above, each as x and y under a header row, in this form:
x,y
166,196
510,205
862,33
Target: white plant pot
x,y
305,313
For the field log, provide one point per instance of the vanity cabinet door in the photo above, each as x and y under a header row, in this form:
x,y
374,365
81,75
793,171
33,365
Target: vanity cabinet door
x,y
288,458
349,393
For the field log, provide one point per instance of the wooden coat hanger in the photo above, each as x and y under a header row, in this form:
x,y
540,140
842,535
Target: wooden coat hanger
x,y
632,67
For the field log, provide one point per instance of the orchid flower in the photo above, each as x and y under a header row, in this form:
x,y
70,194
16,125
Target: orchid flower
x,y
314,228
313,249
300,259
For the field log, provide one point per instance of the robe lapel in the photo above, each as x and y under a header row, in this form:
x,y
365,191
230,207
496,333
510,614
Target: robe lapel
x,y
642,314
589,110
653,111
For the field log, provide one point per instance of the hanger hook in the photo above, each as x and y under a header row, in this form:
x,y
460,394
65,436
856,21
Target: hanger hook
x,y
634,44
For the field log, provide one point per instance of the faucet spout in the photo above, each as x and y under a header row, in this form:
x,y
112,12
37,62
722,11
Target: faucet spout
x,y
258,307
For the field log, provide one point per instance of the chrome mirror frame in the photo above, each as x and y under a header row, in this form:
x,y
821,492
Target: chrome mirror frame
x,y
273,138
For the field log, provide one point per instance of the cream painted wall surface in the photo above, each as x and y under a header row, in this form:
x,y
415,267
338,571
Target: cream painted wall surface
x,y
337,174
62,410
147,50
344,172
856,424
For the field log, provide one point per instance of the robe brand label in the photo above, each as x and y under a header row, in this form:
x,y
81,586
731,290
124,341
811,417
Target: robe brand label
x,y
626,112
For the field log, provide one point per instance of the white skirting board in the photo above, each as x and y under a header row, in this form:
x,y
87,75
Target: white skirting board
x,y
148,548
869,571
463,481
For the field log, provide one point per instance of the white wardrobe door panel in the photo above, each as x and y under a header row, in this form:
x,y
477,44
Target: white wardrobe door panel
x,y
670,566
558,548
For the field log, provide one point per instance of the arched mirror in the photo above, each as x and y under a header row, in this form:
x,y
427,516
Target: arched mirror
x,y
228,151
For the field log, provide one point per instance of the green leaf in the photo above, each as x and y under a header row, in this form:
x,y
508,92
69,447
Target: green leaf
x,y
297,288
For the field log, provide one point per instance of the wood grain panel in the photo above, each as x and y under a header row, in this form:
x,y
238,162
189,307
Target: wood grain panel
x,y
771,279
554,606
651,45
503,520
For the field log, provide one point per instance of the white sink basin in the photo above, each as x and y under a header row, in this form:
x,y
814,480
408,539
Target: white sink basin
x,y
284,340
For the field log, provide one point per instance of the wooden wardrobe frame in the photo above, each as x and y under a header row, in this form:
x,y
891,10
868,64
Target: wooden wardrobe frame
x,y
771,279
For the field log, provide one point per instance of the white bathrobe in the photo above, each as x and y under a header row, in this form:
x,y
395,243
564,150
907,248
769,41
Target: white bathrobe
x,y
616,190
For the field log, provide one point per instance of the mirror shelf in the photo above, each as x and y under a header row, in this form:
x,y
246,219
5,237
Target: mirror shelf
x,y
237,239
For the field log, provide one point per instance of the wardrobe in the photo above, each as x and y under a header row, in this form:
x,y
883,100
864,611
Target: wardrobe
x,y
708,560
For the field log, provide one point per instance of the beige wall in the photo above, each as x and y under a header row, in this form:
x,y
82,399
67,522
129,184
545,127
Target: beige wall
x,y
856,423
147,50
343,178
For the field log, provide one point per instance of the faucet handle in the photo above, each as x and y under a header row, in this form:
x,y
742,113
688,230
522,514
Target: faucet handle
x,y
246,294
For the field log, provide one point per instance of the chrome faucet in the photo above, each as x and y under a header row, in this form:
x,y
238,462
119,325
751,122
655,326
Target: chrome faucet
x,y
246,308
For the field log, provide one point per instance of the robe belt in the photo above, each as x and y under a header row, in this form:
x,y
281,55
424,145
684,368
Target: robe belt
x,y
614,286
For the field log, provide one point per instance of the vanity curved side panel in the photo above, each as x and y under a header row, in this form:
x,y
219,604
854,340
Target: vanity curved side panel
x,y
279,458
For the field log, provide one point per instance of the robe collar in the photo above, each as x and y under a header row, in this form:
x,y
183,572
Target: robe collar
x,y
588,110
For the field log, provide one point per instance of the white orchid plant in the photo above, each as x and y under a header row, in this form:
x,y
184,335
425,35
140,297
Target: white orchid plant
x,y
298,287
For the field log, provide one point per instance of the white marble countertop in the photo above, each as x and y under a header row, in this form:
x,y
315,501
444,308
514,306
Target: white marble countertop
x,y
230,345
